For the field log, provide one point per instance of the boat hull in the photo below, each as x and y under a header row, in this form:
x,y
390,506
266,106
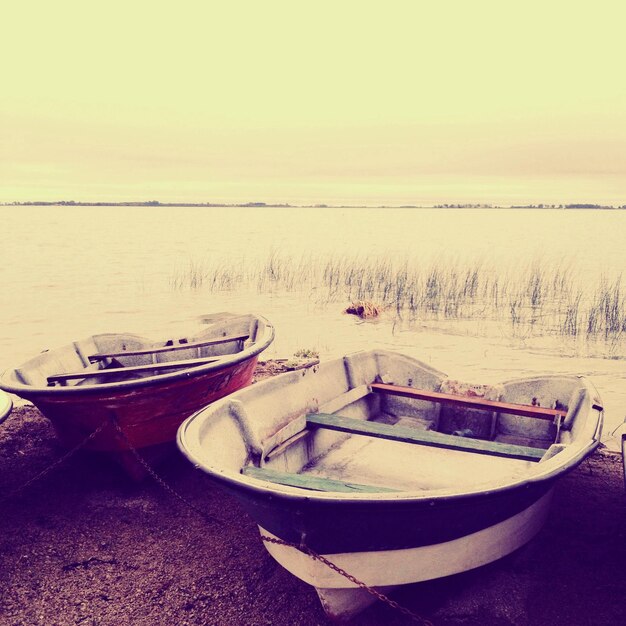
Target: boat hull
x,y
340,526
379,486
147,415
385,570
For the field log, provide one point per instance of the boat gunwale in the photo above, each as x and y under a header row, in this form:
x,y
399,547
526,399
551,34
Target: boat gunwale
x,y
574,454
25,390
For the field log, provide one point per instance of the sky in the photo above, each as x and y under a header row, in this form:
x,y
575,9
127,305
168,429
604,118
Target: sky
x,y
341,101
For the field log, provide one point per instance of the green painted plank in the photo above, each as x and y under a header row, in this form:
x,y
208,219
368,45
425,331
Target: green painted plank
x,y
425,437
308,481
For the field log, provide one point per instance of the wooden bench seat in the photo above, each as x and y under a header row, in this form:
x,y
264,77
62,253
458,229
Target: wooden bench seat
x,y
180,346
117,371
309,481
524,410
423,437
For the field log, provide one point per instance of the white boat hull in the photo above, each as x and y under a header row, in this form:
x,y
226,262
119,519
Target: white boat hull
x,y
392,471
386,569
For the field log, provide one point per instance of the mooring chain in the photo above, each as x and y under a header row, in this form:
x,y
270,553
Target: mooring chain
x,y
304,549
377,594
158,478
314,555
55,464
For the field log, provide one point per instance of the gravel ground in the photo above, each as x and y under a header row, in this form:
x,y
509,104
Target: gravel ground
x,y
82,545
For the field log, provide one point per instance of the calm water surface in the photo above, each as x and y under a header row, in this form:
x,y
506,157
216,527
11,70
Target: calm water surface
x,y
68,272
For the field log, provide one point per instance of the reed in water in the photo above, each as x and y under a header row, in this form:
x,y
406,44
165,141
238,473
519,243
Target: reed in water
x,y
552,299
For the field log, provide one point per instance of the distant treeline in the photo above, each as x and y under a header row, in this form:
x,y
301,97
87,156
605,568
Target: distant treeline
x,y
146,203
568,206
318,206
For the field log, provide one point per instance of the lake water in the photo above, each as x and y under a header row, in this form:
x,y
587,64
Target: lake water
x,y
69,272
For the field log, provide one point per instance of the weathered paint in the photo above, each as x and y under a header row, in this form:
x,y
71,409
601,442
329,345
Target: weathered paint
x,y
308,481
445,499
471,402
332,527
419,563
426,437
387,570
148,410
148,415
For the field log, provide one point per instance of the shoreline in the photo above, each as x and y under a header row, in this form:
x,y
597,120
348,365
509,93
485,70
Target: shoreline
x,y
83,546
286,205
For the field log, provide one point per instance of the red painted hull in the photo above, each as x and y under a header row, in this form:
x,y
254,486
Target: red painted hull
x,y
149,415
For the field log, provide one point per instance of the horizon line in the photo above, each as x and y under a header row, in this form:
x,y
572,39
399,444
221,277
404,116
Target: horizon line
x,y
260,204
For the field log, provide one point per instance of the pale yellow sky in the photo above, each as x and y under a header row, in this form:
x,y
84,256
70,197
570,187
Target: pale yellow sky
x,y
342,101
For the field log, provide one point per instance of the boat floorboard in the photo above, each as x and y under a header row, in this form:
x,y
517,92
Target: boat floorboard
x,y
407,467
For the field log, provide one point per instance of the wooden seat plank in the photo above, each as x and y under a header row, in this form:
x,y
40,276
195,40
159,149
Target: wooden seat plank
x,y
424,437
524,410
309,481
181,346
116,371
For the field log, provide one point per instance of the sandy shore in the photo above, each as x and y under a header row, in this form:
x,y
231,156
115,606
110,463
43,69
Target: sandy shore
x,y
82,545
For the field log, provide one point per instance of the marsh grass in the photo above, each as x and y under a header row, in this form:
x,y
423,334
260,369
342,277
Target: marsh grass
x,y
539,296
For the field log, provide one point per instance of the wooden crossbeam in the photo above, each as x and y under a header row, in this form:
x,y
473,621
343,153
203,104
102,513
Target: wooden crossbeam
x,y
116,371
309,481
525,410
424,437
181,346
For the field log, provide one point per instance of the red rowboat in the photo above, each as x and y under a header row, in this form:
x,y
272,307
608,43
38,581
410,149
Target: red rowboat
x,y
137,391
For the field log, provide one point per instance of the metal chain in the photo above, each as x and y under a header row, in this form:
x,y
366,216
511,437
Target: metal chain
x,y
158,478
304,549
55,464
314,555
377,594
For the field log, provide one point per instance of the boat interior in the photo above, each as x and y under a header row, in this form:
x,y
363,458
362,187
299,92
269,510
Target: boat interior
x,y
110,357
378,422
